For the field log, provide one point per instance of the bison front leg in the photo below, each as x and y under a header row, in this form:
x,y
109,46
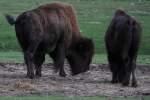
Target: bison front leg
x,y
39,58
29,57
58,56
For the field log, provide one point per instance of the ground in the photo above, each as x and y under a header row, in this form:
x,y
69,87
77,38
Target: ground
x,y
95,82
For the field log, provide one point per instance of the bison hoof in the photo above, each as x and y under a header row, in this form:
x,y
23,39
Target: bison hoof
x,y
30,76
56,70
62,74
114,81
125,84
134,84
38,75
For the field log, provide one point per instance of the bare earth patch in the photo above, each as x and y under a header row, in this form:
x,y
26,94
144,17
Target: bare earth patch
x,y
95,82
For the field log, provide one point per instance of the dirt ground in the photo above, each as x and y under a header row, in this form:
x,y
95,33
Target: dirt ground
x,y
95,82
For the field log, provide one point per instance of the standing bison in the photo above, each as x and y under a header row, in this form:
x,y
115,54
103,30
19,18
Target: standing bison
x,y
52,29
122,43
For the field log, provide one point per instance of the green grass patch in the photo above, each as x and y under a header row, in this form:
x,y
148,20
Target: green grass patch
x,y
93,16
17,57
72,98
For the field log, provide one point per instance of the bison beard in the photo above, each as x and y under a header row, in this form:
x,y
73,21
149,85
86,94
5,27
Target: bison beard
x,y
122,43
52,29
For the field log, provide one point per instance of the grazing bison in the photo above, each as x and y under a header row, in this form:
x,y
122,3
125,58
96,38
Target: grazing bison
x,y
52,29
122,43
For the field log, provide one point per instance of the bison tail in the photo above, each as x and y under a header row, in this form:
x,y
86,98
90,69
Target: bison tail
x,y
11,20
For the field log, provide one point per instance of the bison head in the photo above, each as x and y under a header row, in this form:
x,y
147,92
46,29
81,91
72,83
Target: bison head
x,y
80,55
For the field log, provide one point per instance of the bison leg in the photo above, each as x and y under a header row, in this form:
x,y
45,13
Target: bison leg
x,y
58,56
114,73
114,77
121,72
29,56
126,79
127,72
39,58
134,81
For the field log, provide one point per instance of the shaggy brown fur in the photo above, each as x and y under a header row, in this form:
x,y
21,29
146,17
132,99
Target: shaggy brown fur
x,y
122,43
70,12
52,29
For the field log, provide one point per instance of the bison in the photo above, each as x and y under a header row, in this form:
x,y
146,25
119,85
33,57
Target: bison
x,y
52,29
122,41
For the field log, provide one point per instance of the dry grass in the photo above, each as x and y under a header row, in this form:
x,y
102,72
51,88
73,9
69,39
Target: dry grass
x,y
25,86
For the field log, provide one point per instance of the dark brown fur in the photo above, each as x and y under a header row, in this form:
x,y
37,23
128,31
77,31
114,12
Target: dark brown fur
x,y
122,43
53,29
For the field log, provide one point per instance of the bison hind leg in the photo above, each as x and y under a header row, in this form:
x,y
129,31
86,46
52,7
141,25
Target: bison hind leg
x,y
134,81
39,58
30,66
113,66
121,75
126,78
114,77
29,58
